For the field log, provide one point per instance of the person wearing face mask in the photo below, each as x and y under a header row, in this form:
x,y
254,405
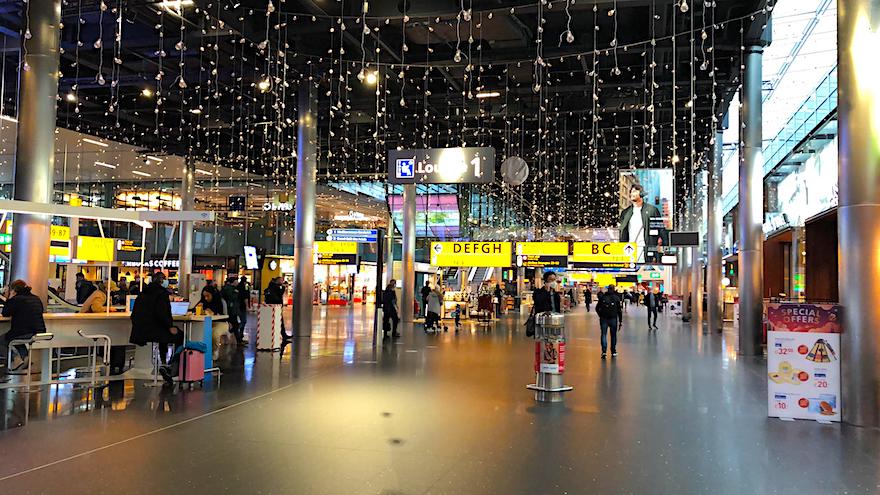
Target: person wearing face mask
x,y
151,319
547,298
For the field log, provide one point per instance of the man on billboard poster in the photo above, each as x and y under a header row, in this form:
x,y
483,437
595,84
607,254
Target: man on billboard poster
x,y
636,223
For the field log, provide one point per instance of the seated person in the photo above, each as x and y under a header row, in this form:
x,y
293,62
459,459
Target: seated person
x,y
151,320
211,301
26,311
97,300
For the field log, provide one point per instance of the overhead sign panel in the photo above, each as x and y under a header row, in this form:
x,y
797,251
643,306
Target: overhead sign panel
x,y
353,235
604,255
95,248
475,165
336,253
471,254
542,254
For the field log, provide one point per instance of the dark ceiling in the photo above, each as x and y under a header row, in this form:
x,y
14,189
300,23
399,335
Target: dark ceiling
x,y
576,115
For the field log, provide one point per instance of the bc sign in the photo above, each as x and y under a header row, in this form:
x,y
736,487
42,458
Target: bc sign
x,y
442,166
603,255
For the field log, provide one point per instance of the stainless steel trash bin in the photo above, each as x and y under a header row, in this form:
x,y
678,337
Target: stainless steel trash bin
x,y
549,357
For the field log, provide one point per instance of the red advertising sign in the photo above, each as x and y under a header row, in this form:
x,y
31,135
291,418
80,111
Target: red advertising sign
x,y
804,318
550,356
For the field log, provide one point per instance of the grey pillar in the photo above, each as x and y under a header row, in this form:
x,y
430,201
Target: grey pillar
x,y
858,22
389,264
713,237
798,262
188,203
409,253
751,208
304,229
35,150
697,259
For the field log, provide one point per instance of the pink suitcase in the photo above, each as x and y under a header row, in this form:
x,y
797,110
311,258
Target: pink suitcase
x,y
192,366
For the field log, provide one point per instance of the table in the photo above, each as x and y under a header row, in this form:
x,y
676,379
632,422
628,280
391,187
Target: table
x,y
117,326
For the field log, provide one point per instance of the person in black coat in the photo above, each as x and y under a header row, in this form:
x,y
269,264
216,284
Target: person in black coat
x,y
151,319
547,298
26,311
389,310
608,306
652,302
274,294
84,288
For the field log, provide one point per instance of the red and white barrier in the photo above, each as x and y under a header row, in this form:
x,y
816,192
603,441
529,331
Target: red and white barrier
x,y
268,327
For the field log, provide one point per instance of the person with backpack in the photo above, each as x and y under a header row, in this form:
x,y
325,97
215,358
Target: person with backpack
x,y
230,297
608,308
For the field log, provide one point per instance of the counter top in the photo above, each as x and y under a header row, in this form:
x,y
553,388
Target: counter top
x,y
115,316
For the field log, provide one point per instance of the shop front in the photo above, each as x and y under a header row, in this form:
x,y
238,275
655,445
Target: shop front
x,y
477,263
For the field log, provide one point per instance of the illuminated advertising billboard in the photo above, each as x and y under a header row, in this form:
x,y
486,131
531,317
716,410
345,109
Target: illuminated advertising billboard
x,y
437,215
646,201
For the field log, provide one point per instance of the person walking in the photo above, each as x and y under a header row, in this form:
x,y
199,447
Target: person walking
x,y
499,298
233,308
547,298
244,304
588,298
652,302
608,307
390,319
434,307
426,291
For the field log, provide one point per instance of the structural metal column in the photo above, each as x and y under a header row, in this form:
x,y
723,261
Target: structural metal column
x,y
35,150
409,253
697,259
304,230
751,208
389,263
185,248
713,236
858,25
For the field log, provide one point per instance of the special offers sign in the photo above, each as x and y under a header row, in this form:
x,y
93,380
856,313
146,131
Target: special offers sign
x,y
471,254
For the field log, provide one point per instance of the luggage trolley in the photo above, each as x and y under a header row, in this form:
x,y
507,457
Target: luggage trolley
x,y
549,357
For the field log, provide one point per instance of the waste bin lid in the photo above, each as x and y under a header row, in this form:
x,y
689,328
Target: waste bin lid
x,y
550,320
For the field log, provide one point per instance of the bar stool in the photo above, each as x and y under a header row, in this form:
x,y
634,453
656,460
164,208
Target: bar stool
x,y
38,341
93,354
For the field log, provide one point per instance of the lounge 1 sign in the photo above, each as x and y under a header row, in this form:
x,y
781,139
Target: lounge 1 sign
x,y
471,254
475,165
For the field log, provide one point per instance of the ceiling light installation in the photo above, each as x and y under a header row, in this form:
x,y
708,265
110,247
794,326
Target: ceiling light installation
x,y
175,7
105,165
488,94
142,174
203,172
147,93
70,97
264,85
95,142
155,158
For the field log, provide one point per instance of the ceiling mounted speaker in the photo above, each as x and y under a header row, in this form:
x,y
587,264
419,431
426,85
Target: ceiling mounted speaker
x,y
514,171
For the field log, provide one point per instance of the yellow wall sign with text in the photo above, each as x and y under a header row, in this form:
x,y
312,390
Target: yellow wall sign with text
x,y
95,248
604,254
542,248
471,254
336,247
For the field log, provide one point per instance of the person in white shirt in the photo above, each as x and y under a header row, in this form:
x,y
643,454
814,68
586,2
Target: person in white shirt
x,y
635,221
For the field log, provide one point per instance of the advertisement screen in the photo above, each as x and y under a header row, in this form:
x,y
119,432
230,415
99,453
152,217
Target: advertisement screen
x,y
646,201
250,258
436,215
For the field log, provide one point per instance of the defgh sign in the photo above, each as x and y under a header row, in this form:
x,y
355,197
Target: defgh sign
x,y
471,254
474,165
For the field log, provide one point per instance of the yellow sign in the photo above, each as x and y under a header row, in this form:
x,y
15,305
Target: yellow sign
x,y
59,241
604,255
95,248
336,247
127,245
542,248
471,254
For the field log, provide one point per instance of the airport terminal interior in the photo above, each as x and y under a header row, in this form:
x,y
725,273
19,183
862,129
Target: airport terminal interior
x,y
439,247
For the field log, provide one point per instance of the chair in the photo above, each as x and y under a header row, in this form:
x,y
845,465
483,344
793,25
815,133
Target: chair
x,y
38,341
93,354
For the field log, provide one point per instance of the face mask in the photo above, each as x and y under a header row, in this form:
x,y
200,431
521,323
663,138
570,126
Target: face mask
x,y
165,283
553,285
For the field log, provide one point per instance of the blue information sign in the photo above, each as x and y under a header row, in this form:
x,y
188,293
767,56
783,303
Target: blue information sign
x,y
353,235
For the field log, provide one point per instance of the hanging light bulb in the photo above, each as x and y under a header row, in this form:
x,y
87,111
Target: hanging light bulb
x,y
264,85
371,78
684,6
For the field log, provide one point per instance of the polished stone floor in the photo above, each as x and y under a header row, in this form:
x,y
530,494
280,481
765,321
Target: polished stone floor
x,y
676,412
